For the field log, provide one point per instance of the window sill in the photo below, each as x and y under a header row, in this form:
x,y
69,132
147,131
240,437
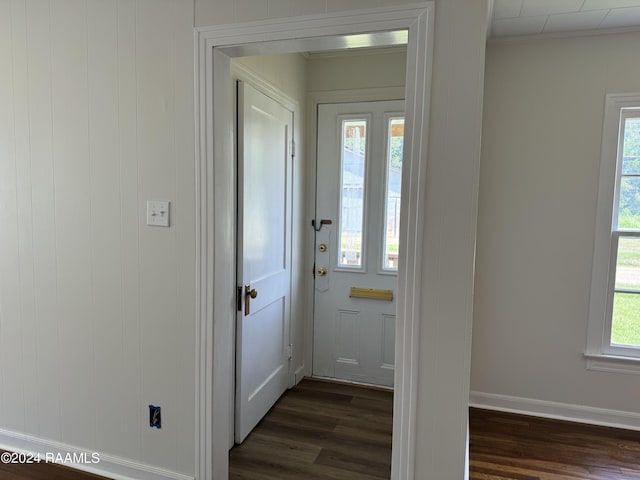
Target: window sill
x,y
612,363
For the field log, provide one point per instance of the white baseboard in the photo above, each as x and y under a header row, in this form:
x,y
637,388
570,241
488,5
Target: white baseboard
x,y
298,374
108,466
556,410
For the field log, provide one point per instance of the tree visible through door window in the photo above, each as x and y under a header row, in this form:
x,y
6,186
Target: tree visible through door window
x,y
353,154
395,142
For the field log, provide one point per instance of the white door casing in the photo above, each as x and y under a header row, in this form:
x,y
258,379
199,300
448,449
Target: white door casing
x,y
215,213
354,338
265,132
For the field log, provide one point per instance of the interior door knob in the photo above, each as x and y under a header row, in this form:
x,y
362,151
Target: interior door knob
x,y
249,293
321,272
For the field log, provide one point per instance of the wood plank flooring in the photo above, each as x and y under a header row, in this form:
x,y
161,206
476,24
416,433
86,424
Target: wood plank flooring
x,y
508,446
318,431
326,431
323,431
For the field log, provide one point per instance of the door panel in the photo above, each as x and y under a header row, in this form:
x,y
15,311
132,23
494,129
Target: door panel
x,y
264,255
347,345
358,190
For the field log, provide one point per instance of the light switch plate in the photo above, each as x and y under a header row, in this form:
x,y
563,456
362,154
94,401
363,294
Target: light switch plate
x,y
158,213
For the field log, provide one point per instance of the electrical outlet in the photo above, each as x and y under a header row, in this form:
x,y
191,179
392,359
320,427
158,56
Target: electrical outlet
x,y
155,417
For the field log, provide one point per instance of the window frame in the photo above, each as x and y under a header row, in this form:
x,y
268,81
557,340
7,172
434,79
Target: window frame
x,y
600,354
388,117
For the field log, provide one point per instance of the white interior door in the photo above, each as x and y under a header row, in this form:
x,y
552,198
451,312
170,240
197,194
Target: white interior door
x,y
358,184
264,255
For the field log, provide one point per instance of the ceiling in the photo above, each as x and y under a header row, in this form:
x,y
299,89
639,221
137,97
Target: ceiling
x,y
535,17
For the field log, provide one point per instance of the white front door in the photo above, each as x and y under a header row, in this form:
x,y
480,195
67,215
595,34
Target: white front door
x,y
357,223
264,255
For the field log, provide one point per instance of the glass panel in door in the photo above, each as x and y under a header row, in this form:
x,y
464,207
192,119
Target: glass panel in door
x,y
353,156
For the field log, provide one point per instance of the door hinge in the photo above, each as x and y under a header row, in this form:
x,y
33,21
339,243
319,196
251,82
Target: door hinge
x,y
290,351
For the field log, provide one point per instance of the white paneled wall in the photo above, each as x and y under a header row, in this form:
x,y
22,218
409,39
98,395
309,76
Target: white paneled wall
x,y
217,12
96,308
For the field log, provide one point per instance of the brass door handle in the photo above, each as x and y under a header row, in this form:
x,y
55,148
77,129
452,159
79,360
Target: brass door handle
x,y
321,272
249,293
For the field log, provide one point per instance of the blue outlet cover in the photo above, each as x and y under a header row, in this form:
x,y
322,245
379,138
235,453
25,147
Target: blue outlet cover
x,y
155,418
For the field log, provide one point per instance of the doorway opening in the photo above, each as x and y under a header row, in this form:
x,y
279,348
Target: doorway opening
x,y
359,153
216,212
278,306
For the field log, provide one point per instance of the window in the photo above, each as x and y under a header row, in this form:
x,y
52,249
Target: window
x,y
391,225
614,316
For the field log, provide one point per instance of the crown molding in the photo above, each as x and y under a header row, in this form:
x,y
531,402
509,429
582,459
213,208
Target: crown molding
x,y
555,35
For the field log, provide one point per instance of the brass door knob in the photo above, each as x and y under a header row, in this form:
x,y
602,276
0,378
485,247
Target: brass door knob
x,y
321,272
322,247
249,293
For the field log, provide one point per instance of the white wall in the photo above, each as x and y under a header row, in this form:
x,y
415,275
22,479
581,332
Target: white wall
x,y
544,105
450,238
96,308
329,72
217,12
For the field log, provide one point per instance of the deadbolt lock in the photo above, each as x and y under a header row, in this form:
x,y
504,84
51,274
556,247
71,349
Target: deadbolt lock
x,y
322,247
321,272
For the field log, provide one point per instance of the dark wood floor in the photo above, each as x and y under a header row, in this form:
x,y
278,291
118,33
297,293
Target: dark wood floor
x,y
508,446
324,431
321,431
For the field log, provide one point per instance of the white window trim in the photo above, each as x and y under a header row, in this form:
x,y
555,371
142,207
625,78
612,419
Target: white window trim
x,y
600,355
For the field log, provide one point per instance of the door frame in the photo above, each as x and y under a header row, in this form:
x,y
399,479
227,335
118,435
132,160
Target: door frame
x,y
216,212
